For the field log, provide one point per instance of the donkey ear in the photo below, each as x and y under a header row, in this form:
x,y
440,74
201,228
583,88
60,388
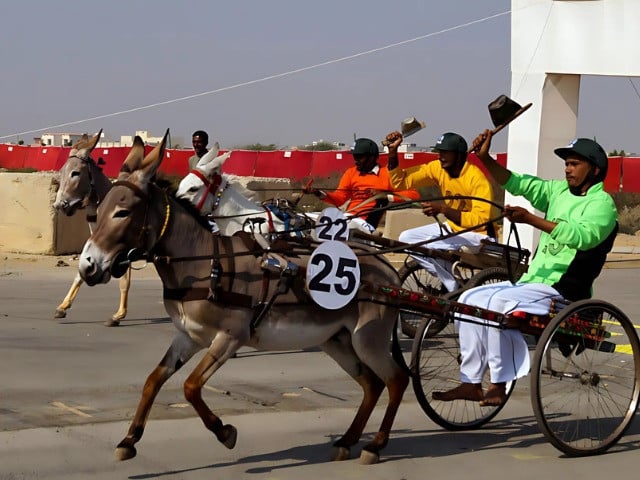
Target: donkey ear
x,y
215,165
134,158
85,146
152,161
216,149
208,157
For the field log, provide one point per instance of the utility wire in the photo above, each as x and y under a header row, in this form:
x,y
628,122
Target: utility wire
x,y
263,79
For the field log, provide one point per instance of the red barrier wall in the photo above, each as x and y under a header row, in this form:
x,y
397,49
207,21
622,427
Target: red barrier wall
x,y
176,162
13,156
623,174
113,157
294,165
43,158
328,163
631,174
241,162
613,181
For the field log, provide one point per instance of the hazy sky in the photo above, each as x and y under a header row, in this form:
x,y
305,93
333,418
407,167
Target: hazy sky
x,y
65,62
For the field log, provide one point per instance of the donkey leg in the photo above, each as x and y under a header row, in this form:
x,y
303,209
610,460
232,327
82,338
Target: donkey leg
x,y
340,349
181,350
125,283
222,348
61,310
371,343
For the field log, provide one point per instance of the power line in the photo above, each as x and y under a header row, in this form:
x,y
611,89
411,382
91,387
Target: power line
x,y
263,79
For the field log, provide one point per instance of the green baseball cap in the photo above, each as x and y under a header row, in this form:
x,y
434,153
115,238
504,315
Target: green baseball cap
x,y
588,149
364,146
450,142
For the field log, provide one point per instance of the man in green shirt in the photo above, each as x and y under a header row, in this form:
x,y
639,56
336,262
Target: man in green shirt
x,y
577,231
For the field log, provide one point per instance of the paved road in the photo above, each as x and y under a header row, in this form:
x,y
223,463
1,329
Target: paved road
x,y
68,388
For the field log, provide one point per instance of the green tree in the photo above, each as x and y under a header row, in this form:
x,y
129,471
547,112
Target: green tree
x,y
321,146
616,153
257,146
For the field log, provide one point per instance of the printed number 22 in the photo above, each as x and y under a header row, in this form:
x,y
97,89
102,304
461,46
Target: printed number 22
x,y
327,224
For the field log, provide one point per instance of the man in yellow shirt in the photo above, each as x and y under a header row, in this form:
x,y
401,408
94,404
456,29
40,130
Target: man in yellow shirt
x,y
455,177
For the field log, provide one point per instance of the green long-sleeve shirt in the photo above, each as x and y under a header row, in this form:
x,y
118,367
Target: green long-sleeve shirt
x,y
572,255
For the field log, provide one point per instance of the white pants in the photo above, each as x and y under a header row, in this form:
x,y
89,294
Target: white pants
x,y
504,352
357,223
437,266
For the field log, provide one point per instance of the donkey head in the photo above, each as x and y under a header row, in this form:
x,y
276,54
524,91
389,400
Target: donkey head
x,y
75,176
199,186
125,217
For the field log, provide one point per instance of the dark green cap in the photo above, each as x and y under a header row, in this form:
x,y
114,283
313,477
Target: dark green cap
x,y
450,142
588,149
364,146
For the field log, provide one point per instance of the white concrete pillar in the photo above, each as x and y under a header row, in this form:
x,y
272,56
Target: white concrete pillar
x,y
548,124
553,43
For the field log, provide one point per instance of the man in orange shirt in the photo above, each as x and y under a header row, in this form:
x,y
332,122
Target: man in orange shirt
x,y
361,182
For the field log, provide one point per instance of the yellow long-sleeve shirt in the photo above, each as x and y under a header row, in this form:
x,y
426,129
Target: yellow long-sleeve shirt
x,y
471,182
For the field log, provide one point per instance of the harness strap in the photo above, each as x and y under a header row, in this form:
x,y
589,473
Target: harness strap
x,y
190,294
272,227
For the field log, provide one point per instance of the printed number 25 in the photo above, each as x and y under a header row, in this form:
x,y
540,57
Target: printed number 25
x,y
317,283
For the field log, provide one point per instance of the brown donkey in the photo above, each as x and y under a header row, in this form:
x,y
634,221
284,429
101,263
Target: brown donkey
x,y
136,214
83,185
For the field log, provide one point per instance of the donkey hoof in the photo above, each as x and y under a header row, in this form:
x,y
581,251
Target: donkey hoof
x,y
339,454
369,458
111,323
125,453
229,436
60,313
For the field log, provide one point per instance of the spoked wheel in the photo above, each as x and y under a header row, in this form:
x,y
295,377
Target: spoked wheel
x,y
415,278
436,367
585,382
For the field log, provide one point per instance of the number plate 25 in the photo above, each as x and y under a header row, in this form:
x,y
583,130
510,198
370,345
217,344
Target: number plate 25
x,y
333,275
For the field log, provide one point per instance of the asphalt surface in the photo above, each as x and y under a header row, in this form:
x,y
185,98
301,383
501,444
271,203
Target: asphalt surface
x,y
69,386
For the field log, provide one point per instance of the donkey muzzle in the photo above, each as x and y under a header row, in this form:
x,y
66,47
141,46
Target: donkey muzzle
x,y
123,260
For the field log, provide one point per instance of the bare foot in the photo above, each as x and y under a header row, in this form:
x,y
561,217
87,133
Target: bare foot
x,y
464,391
496,395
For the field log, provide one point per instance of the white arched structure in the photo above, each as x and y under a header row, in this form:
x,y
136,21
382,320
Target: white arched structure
x,y
553,43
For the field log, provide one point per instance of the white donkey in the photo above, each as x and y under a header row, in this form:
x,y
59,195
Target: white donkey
x,y
232,205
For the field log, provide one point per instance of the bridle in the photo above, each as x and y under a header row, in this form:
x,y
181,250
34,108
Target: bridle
x,y
91,196
216,184
146,228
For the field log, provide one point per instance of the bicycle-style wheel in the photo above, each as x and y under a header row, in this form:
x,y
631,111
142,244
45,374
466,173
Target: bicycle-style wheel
x,y
585,383
414,277
435,366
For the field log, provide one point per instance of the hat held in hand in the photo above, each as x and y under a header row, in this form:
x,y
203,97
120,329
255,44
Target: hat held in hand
x,y
502,109
411,125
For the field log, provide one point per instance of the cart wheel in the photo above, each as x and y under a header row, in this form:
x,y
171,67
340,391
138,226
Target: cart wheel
x,y
585,386
435,366
487,276
483,277
415,278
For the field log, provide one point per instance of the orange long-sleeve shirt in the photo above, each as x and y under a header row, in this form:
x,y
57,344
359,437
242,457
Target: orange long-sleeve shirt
x,y
354,186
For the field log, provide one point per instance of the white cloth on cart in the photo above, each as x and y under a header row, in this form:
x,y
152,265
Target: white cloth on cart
x,y
438,267
504,351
